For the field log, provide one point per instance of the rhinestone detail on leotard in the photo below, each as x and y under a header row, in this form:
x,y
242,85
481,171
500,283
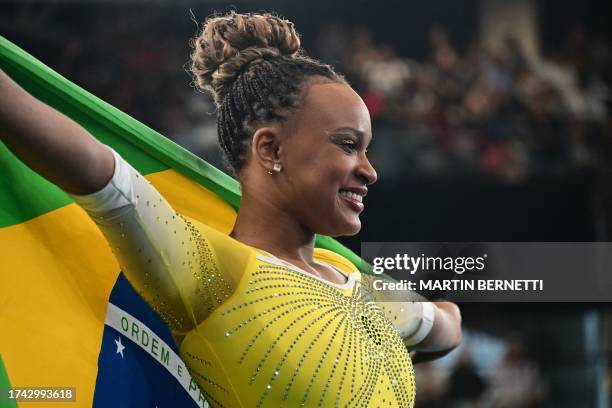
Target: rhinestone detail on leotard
x,y
349,333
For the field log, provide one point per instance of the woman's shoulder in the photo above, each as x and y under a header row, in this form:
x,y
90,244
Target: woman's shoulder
x,y
335,259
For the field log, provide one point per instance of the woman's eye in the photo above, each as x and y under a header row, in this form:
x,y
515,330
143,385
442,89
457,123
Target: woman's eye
x,y
348,144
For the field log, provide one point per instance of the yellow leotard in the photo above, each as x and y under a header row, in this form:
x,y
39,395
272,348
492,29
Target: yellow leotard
x,y
256,331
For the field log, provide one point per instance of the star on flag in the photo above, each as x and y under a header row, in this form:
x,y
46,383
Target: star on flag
x,y
120,347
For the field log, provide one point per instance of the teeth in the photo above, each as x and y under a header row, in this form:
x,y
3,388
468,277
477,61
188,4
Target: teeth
x,y
351,195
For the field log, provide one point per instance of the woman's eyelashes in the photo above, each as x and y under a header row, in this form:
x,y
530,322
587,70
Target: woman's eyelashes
x,y
349,144
352,146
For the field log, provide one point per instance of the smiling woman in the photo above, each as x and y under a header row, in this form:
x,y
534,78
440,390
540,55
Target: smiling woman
x,y
261,317
325,171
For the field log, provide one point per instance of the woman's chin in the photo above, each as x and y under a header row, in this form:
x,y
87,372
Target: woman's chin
x,y
340,225
348,228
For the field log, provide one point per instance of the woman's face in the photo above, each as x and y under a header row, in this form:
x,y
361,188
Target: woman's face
x,y
325,170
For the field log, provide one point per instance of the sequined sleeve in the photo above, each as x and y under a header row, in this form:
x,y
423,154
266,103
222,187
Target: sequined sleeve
x,y
164,257
402,308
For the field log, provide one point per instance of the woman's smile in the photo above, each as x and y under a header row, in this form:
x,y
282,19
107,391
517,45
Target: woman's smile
x,y
354,198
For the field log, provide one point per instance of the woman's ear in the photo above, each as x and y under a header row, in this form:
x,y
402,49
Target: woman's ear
x,y
265,147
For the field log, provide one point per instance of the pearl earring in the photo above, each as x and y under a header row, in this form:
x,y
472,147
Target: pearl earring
x,y
277,167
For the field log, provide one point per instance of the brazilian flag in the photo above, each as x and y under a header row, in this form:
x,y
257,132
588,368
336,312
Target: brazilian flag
x,y
68,316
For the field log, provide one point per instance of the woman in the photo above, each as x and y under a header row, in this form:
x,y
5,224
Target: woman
x,y
261,317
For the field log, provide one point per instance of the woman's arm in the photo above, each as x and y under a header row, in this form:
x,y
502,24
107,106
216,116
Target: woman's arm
x,y
163,256
431,328
445,333
50,143
160,252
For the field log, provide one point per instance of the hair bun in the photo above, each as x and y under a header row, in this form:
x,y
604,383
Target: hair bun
x,y
228,43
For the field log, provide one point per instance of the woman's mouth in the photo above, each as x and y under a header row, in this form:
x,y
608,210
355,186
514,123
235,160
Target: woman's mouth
x,y
354,200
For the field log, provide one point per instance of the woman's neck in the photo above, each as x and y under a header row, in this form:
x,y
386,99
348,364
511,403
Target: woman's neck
x,y
265,226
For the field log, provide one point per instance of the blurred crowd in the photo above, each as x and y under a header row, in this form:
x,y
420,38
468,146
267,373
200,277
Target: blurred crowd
x,y
498,376
495,113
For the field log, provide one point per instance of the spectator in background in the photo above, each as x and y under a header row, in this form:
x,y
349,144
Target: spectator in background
x,y
466,386
516,383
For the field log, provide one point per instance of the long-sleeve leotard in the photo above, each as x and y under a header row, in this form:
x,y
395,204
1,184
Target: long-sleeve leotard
x,y
257,330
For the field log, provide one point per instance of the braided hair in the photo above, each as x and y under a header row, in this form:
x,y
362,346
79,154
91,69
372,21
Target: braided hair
x,y
257,73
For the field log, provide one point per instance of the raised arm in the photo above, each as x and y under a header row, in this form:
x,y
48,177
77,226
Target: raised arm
x,y
50,143
165,258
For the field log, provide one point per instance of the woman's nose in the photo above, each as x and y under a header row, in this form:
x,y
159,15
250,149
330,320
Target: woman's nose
x,y
367,171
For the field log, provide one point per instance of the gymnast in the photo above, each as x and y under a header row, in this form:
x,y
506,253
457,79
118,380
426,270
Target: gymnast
x,y
261,317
